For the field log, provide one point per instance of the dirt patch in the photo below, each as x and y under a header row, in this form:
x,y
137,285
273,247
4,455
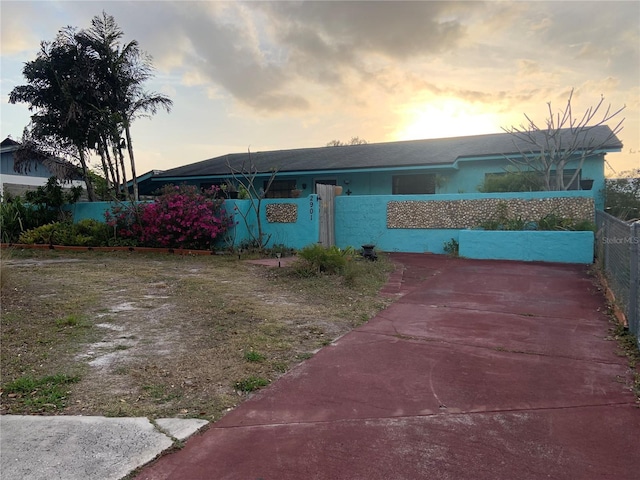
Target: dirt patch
x,y
162,335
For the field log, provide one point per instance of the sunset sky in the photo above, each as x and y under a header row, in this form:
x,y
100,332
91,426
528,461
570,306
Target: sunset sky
x,y
280,75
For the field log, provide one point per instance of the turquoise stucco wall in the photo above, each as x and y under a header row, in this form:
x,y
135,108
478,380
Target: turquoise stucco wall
x,y
294,235
304,231
89,210
362,220
564,247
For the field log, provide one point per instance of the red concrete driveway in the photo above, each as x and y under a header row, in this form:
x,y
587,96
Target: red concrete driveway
x,y
480,370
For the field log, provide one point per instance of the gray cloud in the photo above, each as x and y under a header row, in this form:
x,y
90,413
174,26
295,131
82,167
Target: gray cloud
x,y
395,29
271,55
321,43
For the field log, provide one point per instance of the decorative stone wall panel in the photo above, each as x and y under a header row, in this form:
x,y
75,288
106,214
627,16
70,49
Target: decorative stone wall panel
x,y
282,213
470,213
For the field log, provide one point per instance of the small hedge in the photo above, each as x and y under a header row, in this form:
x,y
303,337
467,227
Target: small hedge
x,y
316,259
85,233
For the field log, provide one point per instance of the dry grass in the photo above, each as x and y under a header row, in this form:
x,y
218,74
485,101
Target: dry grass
x,y
163,335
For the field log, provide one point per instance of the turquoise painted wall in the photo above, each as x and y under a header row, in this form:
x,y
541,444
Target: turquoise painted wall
x,y
304,231
293,235
564,247
89,210
363,220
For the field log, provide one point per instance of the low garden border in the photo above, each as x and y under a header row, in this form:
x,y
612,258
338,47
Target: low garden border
x,y
176,251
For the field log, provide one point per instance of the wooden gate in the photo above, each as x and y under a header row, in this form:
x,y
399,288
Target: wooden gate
x,y
326,198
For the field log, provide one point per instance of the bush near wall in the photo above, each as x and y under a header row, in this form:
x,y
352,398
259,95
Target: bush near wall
x,y
38,207
86,233
180,217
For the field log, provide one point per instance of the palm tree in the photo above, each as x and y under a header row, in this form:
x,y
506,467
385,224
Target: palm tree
x,y
59,90
122,70
86,89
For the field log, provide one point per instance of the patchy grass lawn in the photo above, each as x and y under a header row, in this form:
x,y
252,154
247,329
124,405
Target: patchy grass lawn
x,y
130,334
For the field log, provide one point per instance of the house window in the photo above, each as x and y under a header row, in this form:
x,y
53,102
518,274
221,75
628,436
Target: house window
x,y
279,188
419,184
528,181
567,174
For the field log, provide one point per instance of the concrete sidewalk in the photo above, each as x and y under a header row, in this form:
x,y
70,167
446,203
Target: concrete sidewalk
x,y
84,448
481,370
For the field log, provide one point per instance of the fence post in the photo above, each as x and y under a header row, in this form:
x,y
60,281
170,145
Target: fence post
x,y
634,319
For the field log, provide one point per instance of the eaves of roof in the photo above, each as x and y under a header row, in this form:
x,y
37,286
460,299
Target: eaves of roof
x,y
164,178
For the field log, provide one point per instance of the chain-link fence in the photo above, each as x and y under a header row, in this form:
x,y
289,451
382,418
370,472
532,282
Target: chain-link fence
x,y
618,245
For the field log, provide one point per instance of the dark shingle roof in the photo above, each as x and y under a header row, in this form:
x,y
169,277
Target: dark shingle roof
x,y
9,142
442,151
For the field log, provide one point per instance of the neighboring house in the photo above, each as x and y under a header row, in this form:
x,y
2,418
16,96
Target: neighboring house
x,y
17,180
446,165
145,188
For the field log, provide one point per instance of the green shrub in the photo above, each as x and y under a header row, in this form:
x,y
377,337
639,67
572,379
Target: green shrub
x,y
549,222
512,182
41,206
98,233
86,233
48,201
16,216
452,247
622,195
315,259
503,221
585,226
552,221
48,234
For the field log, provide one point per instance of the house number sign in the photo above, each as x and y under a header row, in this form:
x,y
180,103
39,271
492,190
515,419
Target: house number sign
x,y
311,207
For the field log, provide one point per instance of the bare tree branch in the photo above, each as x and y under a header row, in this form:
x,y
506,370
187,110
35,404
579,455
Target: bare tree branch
x,y
245,177
565,139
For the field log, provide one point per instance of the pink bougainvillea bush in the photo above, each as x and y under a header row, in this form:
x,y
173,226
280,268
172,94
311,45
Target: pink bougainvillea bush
x,y
181,217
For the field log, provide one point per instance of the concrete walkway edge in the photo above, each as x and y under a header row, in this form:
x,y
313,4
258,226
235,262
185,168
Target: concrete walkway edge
x,y
79,447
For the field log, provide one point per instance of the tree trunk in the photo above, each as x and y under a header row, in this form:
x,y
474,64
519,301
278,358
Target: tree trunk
x,y
110,173
85,175
115,177
124,174
547,177
133,163
560,186
103,160
116,168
